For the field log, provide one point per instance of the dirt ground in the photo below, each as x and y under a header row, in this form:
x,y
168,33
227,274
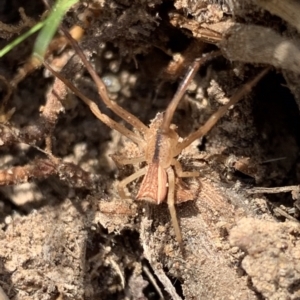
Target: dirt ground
x,y
65,231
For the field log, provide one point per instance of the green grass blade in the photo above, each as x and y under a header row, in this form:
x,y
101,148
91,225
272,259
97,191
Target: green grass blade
x,y
21,38
50,27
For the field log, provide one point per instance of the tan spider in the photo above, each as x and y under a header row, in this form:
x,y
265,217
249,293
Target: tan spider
x,y
159,142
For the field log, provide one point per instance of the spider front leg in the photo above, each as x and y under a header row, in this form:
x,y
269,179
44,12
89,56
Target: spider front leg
x,y
102,91
214,118
96,111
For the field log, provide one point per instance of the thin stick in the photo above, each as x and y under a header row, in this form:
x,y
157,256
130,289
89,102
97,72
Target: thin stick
x,y
214,118
193,69
102,91
274,190
95,109
153,281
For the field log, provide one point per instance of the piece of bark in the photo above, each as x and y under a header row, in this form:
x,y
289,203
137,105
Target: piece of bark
x,y
209,270
246,42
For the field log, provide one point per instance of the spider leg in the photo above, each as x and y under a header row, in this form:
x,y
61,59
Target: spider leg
x,y
180,172
122,184
102,91
96,111
121,161
214,118
183,87
171,206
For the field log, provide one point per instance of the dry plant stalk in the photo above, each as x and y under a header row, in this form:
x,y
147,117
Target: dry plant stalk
x,y
287,10
159,142
239,42
7,30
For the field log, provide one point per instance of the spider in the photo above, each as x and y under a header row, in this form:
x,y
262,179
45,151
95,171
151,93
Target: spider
x,y
159,142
